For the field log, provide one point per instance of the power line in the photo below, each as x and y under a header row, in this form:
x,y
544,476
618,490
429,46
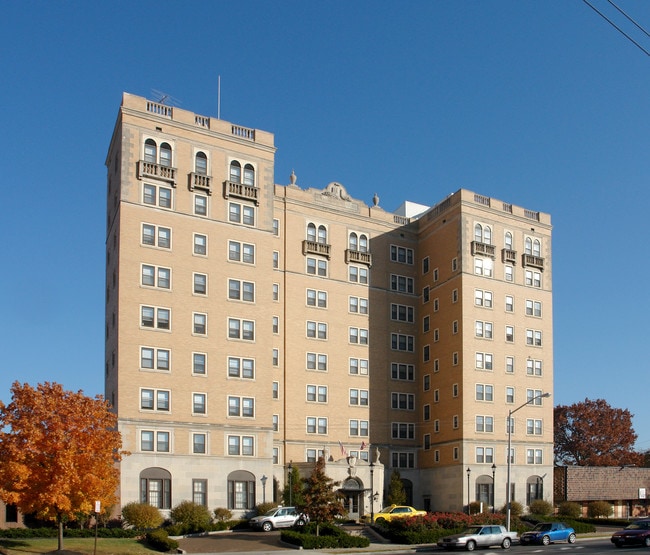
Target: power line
x,y
630,19
617,27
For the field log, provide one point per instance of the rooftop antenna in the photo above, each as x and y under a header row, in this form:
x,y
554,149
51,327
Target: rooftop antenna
x,y
219,97
164,98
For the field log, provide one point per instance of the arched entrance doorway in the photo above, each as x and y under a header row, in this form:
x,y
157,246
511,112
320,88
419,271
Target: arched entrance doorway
x,y
352,490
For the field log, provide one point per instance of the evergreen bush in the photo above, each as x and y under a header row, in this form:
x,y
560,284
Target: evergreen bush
x,y
160,540
569,509
141,516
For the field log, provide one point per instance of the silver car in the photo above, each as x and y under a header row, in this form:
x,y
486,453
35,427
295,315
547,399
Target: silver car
x,y
480,536
280,517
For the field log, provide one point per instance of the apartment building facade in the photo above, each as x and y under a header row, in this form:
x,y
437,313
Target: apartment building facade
x,y
253,327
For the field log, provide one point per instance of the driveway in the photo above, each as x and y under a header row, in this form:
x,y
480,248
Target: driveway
x,y
239,541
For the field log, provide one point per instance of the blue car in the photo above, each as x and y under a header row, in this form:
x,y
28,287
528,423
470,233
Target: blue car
x,y
548,532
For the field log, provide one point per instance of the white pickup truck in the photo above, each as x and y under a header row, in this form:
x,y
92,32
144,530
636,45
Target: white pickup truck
x,y
480,535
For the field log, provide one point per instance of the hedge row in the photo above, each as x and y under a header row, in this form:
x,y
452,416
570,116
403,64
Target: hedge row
x,y
20,533
330,537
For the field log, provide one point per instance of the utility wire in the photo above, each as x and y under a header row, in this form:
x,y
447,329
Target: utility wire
x,y
630,19
618,28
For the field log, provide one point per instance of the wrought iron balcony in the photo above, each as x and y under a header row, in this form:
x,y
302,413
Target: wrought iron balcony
x,y
239,190
532,260
358,257
483,249
200,181
151,170
312,247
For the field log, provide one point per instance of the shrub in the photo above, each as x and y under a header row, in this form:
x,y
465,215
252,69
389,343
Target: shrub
x,y
540,507
222,514
331,537
160,541
192,516
141,516
516,508
262,508
474,507
569,509
598,509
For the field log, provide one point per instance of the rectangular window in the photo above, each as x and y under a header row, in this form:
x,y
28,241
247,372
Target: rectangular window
x,y
199,444
200,284
241,252
359,366
316,330
358,274
276,422
199,365
156,236
425,265
154,359
402,430
533,308
402,401
402,313
510,303
157,196
403,460
276,227
533,427
275,357
533,367
402,255
317,361
316,425
534,456
534,338
483,361
155,276
275,390
241,406
241,446
533,279
400,342
510,395
241,214
358,428
199,403
200,324
401,371
200,492
483,329
316,298
241,329
154,317
401,284
484,423
200,244
241,290
152,399
241,368
358,336
483,298
426,294
510,334
317,267
510,365
276,291
358,305
200,205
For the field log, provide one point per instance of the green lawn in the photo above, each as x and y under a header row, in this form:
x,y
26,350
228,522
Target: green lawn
x,y
75,546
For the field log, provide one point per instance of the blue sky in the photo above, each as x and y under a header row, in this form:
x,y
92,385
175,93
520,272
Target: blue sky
x,y
539,103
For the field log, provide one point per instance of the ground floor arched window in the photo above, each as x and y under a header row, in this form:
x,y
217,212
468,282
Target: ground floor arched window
x,y
156,487
241,490
534,489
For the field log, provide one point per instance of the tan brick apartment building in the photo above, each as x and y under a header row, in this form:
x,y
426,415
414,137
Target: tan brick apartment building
x,y
251,325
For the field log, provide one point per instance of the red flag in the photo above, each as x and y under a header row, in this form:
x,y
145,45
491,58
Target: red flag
x,y
363,445
343,452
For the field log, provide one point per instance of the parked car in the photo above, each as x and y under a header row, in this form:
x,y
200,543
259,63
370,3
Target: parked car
x,y
637,533
280,517
397,511
480,536
548,532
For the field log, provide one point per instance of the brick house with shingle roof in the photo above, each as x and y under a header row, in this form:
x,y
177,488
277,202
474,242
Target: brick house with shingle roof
x,y
626,488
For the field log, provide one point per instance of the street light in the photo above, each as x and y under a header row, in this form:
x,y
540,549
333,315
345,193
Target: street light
x,y
290,469
494,469
263,479
509,454
372,495
468,473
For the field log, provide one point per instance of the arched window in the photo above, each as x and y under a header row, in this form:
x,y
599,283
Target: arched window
x,y
201,163
487,235
249,175
165,155
528,246
363,243
156,487
150,151
537,247
235,171
311,232
322,235
508,240
241,490
478,233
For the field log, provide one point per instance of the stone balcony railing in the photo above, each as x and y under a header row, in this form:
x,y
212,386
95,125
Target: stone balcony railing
x,y
156,171
483,249
200,181
533,261
239,190
508,255
312,247
358,257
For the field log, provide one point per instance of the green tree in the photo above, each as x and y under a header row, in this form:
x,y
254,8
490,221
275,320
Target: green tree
x,y
396,493
292,494
592,433
59,451
322,503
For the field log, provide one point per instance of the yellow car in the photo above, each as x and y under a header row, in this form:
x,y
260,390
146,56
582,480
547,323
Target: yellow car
x,y
397,511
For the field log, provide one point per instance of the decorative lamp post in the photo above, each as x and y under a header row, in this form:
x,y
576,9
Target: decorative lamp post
x,y
509,453
263,479
290,469
372,495
468,498
494,469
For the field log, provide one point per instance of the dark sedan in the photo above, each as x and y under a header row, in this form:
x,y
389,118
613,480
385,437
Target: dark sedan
x,y
637,533
548,532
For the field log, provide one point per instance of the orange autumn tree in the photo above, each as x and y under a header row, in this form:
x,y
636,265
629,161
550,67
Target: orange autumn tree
x,y
59,451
